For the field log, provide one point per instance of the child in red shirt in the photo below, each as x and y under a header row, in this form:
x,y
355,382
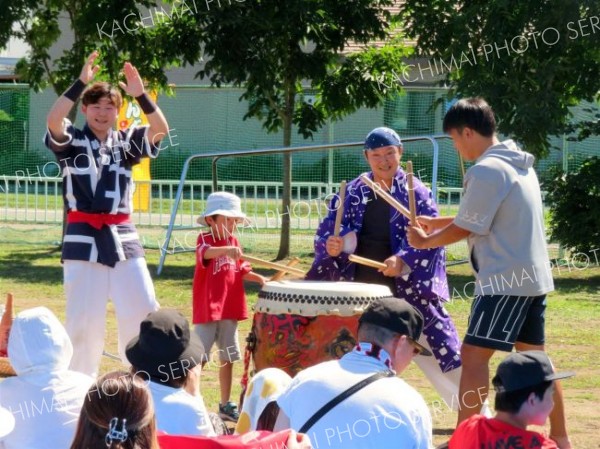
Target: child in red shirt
x,y
219,300
524,385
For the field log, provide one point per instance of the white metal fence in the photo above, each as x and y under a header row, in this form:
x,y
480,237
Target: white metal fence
x,y
39,200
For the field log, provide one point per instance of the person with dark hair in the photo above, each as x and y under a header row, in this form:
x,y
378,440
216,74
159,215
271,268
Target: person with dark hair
x,y
472,113
524,385
372,408
502,217
169,357
117,413
101,253
372,228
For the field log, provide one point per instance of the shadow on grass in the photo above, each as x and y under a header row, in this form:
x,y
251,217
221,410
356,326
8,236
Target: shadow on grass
x,y
21,266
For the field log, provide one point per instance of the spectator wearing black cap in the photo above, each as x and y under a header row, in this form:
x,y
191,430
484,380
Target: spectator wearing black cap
x,y
371,228
170,357
524,385
386,412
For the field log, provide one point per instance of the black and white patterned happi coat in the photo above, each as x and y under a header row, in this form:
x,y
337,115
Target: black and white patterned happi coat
x,y
97,179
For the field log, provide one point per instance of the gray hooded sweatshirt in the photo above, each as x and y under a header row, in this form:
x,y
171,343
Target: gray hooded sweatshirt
x,y
502,207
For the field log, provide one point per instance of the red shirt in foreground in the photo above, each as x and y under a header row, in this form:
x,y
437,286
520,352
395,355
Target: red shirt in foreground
x,y
479,432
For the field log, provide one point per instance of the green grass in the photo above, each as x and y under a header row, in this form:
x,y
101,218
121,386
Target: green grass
x,y
31,270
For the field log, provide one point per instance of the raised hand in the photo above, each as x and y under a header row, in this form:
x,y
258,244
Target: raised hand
x,y
134,86
89,70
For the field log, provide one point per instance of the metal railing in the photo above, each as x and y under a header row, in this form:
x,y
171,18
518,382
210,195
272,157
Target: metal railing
x,y
217,156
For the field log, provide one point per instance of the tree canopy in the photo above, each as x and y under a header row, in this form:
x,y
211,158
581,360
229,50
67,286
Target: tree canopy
x,y
279,50
275,50
530,60
127,30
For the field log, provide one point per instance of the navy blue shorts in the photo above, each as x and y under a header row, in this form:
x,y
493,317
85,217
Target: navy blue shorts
x,y
498,321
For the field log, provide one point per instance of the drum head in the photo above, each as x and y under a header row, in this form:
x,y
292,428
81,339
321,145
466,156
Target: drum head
x,y
314,298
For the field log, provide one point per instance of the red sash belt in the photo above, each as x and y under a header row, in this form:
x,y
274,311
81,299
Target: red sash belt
x,y
97,220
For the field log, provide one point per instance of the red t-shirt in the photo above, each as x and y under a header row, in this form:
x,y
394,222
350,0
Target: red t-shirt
x,y
479,432
218,291
251,440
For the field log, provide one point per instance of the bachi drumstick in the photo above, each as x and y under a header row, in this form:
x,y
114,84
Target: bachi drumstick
x,y
411,194
275,266
368,262
277,276
340,209
386,196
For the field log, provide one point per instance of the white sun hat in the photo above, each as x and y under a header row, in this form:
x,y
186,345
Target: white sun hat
x,y
222,203
7,422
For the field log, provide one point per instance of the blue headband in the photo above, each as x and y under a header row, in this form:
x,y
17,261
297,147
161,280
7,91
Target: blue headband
x,y
382,137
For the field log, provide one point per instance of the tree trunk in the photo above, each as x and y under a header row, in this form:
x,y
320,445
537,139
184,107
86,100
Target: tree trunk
x,y
286,204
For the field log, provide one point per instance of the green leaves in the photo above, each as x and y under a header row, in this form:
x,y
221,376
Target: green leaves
x,y
574,200
119,30
534,59
278,50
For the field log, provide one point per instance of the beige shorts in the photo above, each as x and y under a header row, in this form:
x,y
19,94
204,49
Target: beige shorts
x,y
225,334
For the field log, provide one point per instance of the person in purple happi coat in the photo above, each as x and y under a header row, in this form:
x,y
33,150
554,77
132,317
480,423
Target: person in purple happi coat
x,y
373,229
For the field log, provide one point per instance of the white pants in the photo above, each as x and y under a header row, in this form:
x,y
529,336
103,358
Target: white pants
x,y
446,384
88,286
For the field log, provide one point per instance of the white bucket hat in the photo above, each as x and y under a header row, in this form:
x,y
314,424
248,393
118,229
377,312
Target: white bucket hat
x,y
222,203
7,422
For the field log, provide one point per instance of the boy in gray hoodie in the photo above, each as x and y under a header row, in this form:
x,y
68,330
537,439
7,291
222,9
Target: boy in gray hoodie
x,y
502,217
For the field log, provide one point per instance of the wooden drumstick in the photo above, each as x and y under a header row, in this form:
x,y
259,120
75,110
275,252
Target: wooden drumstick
x,y
5,324
386,196
275,266
412,204
340,209
277,276
368,262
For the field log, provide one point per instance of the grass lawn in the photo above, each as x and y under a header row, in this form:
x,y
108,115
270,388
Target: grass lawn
x,y
31,270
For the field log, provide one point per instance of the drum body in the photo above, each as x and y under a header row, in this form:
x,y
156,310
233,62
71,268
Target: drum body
x,y
298,324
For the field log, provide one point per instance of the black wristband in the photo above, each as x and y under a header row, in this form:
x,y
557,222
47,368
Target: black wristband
x,y
73,92
146,103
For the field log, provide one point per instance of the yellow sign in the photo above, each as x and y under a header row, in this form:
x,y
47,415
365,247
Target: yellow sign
x,y
132,115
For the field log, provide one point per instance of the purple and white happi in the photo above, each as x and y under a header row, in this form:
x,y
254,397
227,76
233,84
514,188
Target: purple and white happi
x,y
425,286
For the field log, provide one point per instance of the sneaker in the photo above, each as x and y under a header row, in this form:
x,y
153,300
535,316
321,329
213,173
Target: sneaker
x,y
229,412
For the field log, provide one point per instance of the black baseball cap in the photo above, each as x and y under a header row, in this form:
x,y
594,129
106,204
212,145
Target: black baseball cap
x,y
525,369
398,316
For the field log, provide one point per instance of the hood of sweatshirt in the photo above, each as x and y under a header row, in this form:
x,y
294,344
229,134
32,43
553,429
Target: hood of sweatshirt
x,y
508,151
38,343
